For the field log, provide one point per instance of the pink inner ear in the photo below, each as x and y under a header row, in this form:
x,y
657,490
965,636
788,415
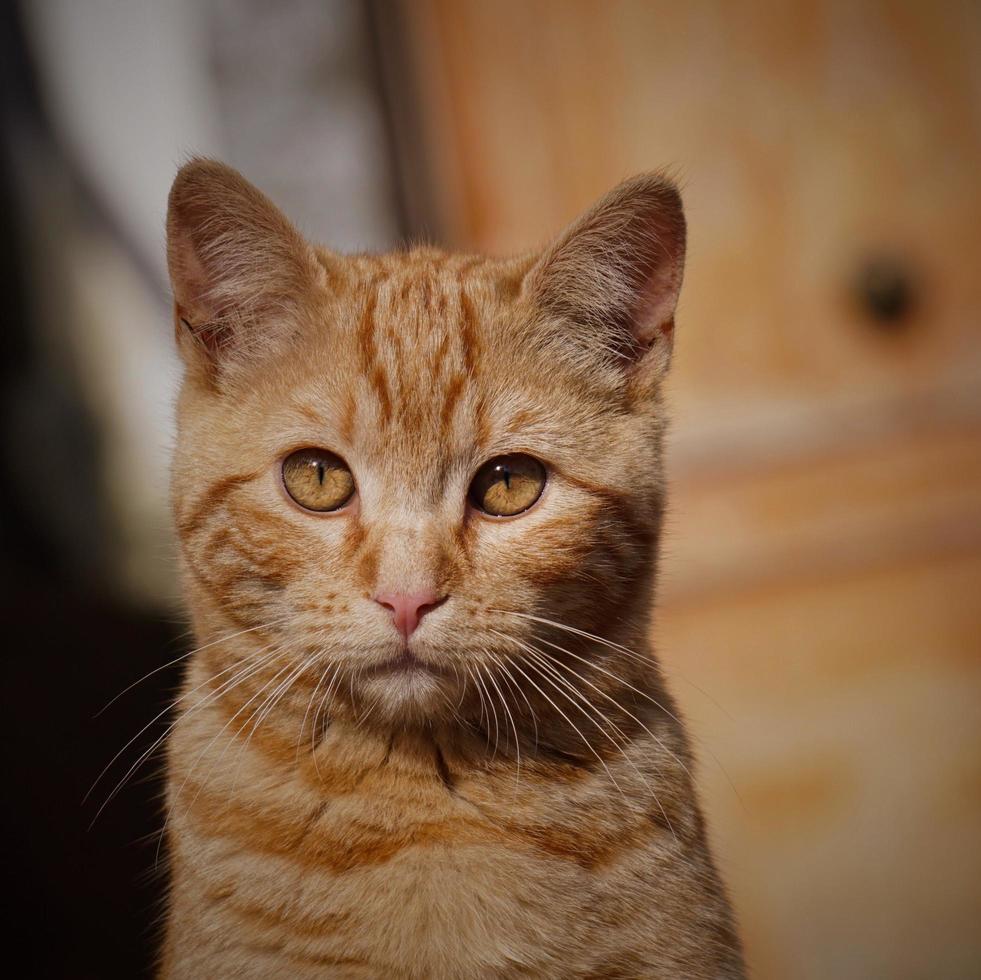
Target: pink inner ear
x,y
209,333
190,281
617,270
654,316
196,309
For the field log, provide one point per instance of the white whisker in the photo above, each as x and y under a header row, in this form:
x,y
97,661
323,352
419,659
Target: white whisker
x,y
184,656
240,673
572,725
514,728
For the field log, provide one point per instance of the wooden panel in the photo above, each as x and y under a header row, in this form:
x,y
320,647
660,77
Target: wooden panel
x,y
845,788
733,528
820,614
808,137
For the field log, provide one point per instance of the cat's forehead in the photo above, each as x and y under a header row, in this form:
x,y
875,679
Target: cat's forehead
x,y
425,359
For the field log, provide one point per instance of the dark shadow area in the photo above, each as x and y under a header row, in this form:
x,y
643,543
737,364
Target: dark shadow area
x,y
82,902
87,899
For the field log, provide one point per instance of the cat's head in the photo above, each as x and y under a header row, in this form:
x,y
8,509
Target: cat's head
x,y
416,479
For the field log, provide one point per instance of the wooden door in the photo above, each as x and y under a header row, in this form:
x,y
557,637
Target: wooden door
x,y
820,614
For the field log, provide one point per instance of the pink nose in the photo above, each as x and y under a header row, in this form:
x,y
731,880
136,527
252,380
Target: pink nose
x,y
408,608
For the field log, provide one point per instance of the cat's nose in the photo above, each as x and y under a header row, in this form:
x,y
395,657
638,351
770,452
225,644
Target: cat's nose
x,y
408,608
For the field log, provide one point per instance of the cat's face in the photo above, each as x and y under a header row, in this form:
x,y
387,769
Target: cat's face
x,y
393,471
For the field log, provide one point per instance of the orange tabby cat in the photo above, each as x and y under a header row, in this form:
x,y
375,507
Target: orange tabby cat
x,y
419,499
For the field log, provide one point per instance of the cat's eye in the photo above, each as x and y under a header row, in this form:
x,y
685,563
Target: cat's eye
x,y
507,485
317,479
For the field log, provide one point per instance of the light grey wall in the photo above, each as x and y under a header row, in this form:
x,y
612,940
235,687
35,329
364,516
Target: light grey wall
x,y
132,88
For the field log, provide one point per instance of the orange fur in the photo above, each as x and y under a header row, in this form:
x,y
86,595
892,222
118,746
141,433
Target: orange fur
x,y
525,807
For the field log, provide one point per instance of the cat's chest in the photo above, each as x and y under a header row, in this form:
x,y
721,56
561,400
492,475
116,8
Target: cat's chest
x,y
401,888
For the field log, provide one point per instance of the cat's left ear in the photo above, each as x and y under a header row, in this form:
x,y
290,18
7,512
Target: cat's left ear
x,y
614,276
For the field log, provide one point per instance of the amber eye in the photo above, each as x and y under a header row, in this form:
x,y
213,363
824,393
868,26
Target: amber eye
x,y
317,479
507,485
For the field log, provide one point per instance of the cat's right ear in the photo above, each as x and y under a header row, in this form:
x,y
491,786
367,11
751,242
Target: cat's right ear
x,y
237,266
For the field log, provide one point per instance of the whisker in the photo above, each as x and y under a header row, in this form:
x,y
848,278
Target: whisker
x,y
617,729
620,680
207,748
375,701
647,660
306,713
241,673
597,639
184,656
328,694
573,726
506,674
260,715
314,743
634,654
545,665
618,745
514,728
480,694
329,671
552,676
490,702
157,717
602,693
258,694
463,686
269,705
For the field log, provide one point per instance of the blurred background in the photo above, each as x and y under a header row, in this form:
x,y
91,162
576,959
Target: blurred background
x,y
820,617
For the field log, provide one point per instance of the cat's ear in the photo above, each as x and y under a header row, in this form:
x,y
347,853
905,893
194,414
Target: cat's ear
x,y
237,266
614,276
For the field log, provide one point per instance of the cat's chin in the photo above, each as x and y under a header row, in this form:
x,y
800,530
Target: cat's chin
x,y
405,692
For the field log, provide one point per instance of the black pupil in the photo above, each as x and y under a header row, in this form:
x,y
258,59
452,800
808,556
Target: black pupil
x,y
321,469
506,473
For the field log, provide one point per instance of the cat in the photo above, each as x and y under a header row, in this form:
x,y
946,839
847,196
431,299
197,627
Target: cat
x,y
418,499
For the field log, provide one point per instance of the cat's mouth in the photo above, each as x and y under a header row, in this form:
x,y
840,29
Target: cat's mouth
x,y
405,663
